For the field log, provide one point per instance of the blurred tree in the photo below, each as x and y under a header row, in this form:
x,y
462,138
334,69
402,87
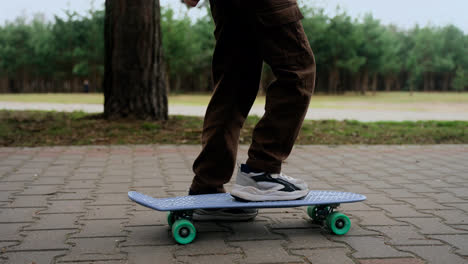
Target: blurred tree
x,y
134,83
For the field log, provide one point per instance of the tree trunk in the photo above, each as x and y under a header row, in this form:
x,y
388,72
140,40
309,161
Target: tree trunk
x,y
374,83
446,83
365,82
356,83
333,81
426,82
134,80
389,81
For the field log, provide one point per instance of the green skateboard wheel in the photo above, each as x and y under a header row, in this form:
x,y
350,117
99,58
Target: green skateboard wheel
x,y
312,212
170,219
338,223
183,231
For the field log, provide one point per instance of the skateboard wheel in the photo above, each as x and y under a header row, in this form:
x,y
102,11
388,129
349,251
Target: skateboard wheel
x,y
338,223
312,212
170,219
183,231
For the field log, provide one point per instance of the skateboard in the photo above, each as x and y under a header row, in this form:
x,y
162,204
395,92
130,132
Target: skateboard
x,y
321,208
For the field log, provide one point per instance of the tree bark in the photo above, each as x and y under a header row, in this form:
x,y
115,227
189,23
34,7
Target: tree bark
x,y
365,82
334,78
134,78
374,83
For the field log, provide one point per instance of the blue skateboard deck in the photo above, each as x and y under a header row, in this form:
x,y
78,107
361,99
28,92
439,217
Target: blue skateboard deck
x,y
225,200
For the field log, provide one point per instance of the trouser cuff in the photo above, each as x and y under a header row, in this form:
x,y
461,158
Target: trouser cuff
x,y
270,167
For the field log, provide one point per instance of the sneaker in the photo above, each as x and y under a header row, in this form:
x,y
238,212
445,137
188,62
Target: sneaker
x,y
263,186
234,214
227,214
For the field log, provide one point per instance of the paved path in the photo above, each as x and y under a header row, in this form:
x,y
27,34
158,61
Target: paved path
x,y
70,205
313,114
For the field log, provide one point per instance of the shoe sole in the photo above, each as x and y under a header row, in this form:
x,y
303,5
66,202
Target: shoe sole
x,y
203,215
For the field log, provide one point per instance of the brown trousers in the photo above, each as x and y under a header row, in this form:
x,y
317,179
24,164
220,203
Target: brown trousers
x,y
247,34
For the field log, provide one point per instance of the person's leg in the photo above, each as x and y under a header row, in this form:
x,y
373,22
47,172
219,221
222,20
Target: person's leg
x,y
237,68
286,49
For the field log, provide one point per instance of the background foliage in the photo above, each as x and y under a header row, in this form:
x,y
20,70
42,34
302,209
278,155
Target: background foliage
x,y
352,54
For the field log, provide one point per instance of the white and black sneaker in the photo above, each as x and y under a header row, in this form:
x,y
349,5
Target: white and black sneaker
x,y
263,186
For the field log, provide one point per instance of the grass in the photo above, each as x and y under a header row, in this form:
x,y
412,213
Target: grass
x,y
34,128
383,100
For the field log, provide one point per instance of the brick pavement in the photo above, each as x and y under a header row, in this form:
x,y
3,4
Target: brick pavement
x,y
70,205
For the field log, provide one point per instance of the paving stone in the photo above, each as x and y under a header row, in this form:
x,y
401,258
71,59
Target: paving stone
x,y
392,261
84,176
377,244
375,218
207,244
101,228
106,212
420,188
461,206
401,210
438,183
401,193
210,259
403,235
10,231
398,179
93,249
279,221
18,215
148,236
40,190
6,196
55,221
147,217
38,257
445,198
36,201
325,255
80,184
435,254
376,199
117,179
379,184
49,181
431,226
121,188
111,199
306,238
156,254
20,177
357,207
423,203
12,186
261,252
157,182
459,192
34,240
359,230
73,194
459,241
250,231
450,217
66,206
